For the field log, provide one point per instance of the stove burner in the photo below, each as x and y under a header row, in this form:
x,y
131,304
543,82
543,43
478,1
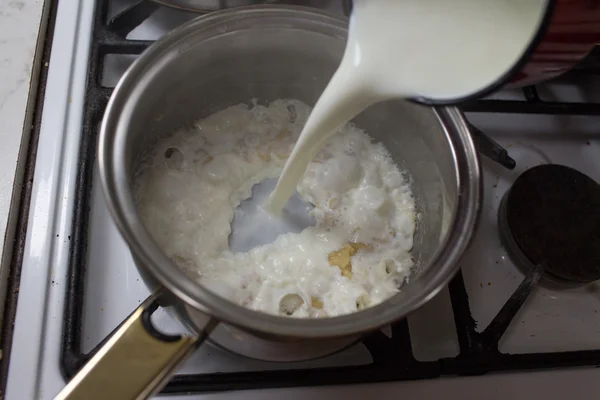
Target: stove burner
x,y
551,217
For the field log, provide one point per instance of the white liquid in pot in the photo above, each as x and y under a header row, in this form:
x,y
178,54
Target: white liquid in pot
x,y
356,255
437,49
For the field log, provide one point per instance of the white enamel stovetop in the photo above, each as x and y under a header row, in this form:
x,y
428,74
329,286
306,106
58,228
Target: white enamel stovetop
x,y
550,320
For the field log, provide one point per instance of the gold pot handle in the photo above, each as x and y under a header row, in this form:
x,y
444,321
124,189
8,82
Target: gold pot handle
x,y
135,362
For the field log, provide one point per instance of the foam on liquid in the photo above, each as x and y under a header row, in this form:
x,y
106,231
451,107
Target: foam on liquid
x,y
191,183
437,49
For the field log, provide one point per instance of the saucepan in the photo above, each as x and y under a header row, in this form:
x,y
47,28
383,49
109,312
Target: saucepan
x,y
223,59
202,6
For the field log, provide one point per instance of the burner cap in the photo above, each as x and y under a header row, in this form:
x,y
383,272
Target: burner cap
x,y
551,216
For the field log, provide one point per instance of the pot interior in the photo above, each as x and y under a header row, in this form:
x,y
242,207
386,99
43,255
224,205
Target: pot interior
x,y
207,67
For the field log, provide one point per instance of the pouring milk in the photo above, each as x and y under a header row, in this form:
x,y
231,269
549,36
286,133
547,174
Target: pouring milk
x,y
204,207
434,49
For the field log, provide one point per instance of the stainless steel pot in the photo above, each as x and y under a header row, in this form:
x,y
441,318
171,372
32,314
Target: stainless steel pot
x,y
209,5
264,53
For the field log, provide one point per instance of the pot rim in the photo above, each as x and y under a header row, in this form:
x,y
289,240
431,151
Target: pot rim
x,y
115,185
195,8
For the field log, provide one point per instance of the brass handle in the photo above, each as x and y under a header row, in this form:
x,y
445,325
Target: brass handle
x,y
135,362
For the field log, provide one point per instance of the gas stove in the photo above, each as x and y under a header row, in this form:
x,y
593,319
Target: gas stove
x,y
510,309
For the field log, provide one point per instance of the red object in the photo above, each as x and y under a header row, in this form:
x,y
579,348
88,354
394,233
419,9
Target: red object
x,y
569,33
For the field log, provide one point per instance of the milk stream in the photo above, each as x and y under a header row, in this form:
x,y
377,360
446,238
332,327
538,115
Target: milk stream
x,y
437,49
191,186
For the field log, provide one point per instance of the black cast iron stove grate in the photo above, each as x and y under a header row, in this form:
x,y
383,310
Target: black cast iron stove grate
x,y
393,359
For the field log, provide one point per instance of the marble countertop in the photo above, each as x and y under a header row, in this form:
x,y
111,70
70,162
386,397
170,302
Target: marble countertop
x,y
20,22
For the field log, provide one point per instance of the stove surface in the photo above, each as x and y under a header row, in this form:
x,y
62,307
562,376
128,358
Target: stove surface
x,y
62,236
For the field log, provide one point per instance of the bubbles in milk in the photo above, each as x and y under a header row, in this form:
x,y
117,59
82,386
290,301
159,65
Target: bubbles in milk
x,y
357,254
